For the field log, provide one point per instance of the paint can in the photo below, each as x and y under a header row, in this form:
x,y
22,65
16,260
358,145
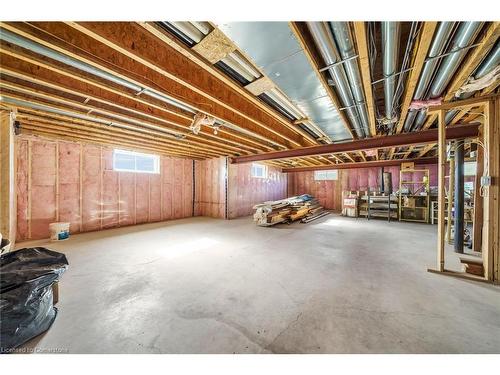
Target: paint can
x,y
59,231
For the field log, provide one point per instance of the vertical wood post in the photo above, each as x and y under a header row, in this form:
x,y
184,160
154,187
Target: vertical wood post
x,y
491,216
441,191
8,173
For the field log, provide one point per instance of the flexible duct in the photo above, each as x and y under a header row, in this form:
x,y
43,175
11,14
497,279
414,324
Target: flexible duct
x,y
437,48
326,45
465,36
390,48
344,39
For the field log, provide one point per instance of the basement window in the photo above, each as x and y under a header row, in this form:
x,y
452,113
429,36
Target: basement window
x,y
326,175
259,170
130,161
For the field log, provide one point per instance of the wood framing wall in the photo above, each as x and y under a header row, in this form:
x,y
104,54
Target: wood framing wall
x,y
245,191
7,186
75,182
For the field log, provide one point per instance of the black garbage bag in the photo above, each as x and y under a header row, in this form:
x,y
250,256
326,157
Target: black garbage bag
x,y
26,303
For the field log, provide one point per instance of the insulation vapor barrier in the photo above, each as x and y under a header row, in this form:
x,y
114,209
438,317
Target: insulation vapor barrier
x,y
60,181
26,297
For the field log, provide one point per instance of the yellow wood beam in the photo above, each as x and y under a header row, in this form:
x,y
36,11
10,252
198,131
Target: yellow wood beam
x,y
364,62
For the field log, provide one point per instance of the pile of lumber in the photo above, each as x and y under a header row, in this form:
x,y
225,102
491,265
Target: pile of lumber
x,y
303,207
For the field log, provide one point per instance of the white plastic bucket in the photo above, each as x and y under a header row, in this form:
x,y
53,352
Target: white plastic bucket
x,y
59,231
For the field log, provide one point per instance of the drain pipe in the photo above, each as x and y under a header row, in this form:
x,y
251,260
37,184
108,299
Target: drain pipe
x,y
344,39
466,35
326,45
390,48
437,48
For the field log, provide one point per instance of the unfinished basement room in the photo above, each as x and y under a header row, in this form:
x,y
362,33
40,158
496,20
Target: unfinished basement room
x,y
299,187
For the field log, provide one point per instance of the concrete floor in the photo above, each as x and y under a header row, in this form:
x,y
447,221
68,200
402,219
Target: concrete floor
x,y
200,285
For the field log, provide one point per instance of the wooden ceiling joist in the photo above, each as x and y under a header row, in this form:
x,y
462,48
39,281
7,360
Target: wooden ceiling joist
x,y
368,164
364,62
208,66
472,61
100,118
204,136
298,30
22,66
113,116
425,40
126,51
26,118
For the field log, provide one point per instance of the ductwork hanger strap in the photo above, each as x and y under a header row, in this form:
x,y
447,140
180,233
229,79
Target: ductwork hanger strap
x,y
425,62
338,63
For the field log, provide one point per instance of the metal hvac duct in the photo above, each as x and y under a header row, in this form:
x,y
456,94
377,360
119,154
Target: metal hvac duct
x,y
390,48
326,45
189,30
490,63
52,54
345,43
466,34
437,48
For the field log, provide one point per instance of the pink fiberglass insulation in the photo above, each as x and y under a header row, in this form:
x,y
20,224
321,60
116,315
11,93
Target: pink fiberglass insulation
x,y
109,198
142,198
167,188
245,191
178,191
155,198
187,186
43,187
210,187
91,188
127,198
69,185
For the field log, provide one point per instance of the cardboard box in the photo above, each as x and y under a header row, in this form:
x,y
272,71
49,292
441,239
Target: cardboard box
x,y
409,202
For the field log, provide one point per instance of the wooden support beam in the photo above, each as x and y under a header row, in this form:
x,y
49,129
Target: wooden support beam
x,y
355,165
349,157
473,59
8,212
425,40
462,104
426,149
298,29
364,62
467,68
491,212
396,140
